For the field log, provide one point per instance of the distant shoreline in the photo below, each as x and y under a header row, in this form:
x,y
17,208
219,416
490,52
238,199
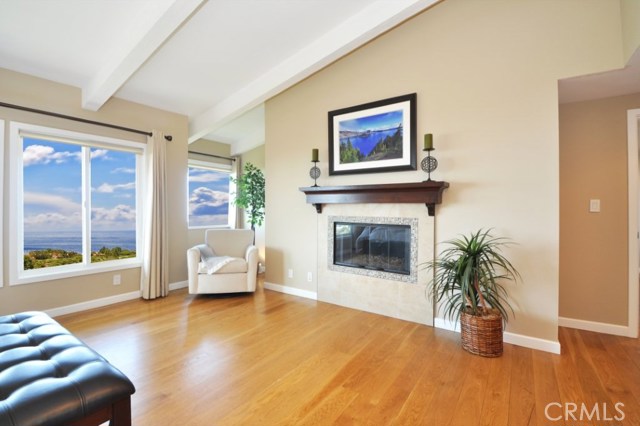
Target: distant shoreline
x,y
49,257
71,241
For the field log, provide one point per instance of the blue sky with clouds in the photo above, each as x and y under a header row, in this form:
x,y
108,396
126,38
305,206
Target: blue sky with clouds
x,y
373,122
208,197
52,176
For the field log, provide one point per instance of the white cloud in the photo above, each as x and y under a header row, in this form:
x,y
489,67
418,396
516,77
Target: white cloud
x,y
124,170
118,217
52,220
36,154
57,202
207,177
103,217
206,201
39,154
97,153
107,188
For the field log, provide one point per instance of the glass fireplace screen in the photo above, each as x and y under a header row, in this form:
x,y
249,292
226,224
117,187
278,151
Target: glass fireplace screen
x,y
379,247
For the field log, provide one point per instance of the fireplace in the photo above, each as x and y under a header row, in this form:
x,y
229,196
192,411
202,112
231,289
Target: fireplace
x,y
379,247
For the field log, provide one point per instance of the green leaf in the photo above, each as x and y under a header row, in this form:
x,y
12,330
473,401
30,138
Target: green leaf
x,y
250,194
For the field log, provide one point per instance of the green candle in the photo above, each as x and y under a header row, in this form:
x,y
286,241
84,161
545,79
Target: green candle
x,y
314,154
428,141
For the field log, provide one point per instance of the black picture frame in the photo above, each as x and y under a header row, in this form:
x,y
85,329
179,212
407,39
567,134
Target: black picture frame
x,y
374,137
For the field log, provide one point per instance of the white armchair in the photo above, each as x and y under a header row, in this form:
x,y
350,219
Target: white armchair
x,y
236,263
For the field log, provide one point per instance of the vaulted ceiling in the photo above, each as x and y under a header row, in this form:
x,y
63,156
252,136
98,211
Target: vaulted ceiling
x,y
215,61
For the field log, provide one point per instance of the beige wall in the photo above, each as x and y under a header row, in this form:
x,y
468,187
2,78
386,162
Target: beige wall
x,y
209,147
42,94
486,74
630,12
593,246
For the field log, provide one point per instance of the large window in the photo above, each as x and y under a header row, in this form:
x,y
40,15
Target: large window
x,y
209,195
74,202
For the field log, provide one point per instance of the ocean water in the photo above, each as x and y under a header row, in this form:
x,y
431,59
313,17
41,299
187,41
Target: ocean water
x,y
72,240
366,143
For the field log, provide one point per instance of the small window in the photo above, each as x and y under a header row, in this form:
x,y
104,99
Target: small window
x,y
75,203
209,195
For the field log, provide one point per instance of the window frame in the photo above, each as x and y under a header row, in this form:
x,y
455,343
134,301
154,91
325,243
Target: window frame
x,y
17,274
219,167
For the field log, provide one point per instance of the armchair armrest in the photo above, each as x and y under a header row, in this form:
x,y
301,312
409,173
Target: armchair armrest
x,y
252,256
193,260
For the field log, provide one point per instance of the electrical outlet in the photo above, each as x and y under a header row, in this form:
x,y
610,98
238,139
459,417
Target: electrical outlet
x,y
309,276
116,279
290,273
594,206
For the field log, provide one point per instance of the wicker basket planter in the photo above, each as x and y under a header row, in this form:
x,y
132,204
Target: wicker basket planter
x,y
468,285
482,335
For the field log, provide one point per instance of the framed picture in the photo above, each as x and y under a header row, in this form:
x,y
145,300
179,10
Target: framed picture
x,y
374,137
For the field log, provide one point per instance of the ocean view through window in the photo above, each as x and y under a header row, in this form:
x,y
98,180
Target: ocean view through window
x,y
77,200
72,241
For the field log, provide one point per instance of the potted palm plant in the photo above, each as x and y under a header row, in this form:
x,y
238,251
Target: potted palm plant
x,y
468,284
250,194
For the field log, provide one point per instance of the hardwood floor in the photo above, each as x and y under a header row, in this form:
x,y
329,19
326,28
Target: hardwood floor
x,y
275,359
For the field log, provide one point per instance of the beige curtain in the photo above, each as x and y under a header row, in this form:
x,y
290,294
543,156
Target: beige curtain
x,y
154,276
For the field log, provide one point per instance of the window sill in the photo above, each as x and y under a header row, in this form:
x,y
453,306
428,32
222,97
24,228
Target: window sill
x,y
41,275
194,228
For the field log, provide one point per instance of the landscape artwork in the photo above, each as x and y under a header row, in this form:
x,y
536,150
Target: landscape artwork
x,y
373,137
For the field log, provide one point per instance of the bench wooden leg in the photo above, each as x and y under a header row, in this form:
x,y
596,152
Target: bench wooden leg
x,y
117,414
121,413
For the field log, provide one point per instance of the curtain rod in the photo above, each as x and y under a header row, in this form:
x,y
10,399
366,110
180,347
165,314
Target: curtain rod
x,y
81,120
212,155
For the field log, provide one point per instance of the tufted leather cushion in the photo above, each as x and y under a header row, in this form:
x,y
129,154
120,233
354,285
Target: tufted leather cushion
x,y
49,377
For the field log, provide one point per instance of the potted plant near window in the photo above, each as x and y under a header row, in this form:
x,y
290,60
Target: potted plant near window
x,y
468,285
250,194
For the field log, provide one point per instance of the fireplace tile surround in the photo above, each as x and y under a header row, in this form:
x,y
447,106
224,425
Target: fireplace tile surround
x,y
376,292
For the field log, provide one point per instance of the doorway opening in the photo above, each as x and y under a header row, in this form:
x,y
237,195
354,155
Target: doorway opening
x,y
633,137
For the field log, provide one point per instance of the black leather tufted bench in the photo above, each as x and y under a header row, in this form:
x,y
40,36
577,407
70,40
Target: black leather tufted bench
x,y
48,377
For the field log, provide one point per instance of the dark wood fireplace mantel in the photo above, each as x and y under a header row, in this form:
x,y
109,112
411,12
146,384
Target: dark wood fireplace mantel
x,y
427,192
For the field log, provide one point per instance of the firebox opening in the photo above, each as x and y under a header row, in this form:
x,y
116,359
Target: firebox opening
x,y
378,247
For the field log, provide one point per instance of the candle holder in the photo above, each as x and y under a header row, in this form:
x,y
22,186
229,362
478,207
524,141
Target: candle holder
x,y
314,172
429,163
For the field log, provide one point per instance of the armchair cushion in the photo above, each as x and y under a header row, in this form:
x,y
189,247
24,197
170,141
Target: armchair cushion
x,y
206,252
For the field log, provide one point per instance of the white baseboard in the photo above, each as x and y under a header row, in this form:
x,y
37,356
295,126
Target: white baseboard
x,y
508,337
532,342
105,301
92,304
291,290
445,324
178,285
598,327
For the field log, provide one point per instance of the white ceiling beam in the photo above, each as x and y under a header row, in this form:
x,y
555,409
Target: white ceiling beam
x,y
127,59
372,21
